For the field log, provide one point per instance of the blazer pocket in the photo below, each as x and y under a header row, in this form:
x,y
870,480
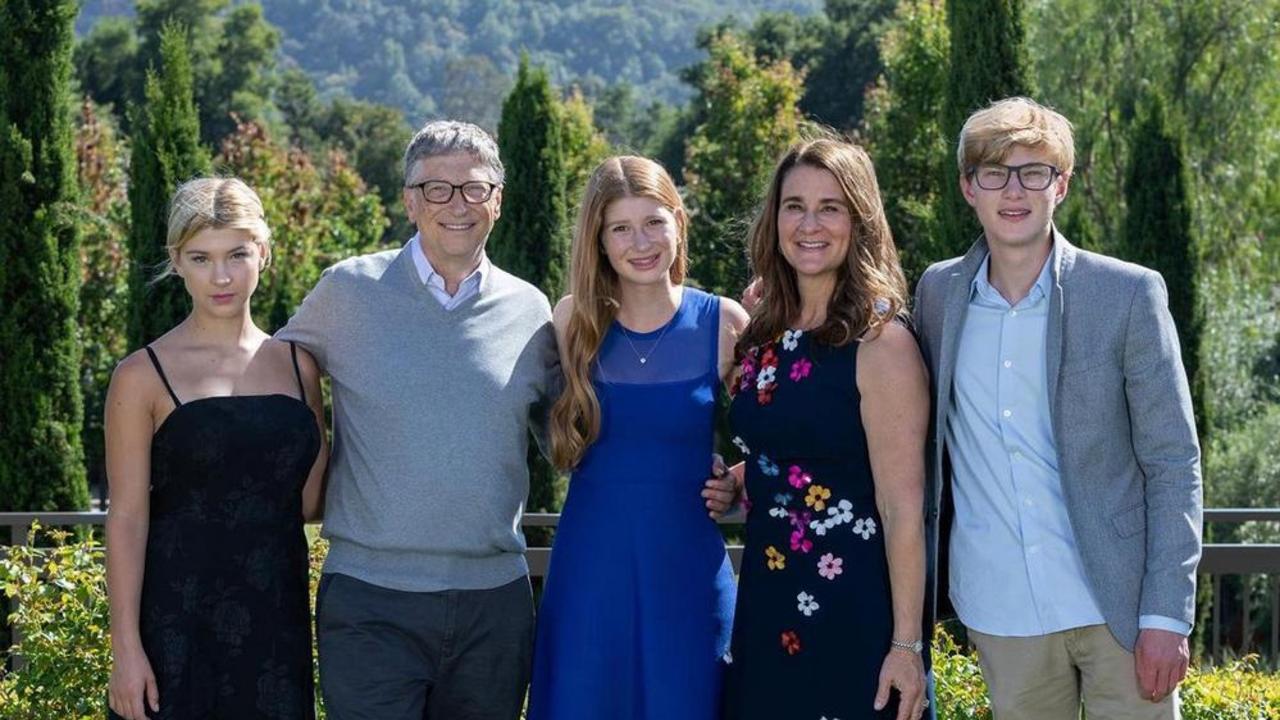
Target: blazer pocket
x,y
1130,521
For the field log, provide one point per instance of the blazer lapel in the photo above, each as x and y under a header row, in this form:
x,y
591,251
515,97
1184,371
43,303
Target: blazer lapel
x,y
1064,260
959,286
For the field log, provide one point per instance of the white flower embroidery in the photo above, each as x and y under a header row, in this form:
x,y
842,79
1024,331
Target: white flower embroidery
x,y
820,527
866,527
766,377
841,513
741,445
806,603
728,660
778,512
791,338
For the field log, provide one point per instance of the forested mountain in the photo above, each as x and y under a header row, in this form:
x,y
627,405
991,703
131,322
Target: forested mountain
x,y
457,56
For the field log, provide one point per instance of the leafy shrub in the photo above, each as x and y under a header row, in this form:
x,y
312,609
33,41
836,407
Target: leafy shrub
x,y
57,585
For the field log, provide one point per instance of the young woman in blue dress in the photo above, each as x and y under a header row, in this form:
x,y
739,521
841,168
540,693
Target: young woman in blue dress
x,y
215,453
638,605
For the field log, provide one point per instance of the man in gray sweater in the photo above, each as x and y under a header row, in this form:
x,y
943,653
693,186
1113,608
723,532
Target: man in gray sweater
x,y
440,362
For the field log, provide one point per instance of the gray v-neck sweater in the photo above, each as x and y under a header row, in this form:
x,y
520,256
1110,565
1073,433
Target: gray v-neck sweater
x,y
432,410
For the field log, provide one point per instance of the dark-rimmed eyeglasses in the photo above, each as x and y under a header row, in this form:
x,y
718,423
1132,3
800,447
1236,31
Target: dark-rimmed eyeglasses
x,y
1032,176
440,192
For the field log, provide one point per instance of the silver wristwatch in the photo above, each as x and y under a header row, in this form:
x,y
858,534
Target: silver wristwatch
x,y
915,646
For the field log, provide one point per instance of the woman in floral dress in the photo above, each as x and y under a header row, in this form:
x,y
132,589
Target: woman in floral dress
x,y
830,410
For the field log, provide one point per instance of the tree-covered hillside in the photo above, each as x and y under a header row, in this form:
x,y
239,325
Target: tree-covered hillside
x,y
456,57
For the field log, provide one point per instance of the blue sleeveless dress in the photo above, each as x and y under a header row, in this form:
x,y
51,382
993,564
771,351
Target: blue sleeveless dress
x,y
638,605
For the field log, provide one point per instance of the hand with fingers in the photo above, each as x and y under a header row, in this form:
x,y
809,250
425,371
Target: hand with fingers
x,y
132,688
723,490
903,670
1161,658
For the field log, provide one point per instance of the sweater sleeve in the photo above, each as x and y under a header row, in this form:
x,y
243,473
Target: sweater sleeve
x,y
311,326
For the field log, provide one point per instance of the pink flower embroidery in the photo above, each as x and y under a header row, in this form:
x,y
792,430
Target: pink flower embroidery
x,y
800,369
797,477
800,542
829,566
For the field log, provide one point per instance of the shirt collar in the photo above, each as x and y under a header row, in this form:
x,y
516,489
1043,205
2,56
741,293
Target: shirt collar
x,y
428,275
982,287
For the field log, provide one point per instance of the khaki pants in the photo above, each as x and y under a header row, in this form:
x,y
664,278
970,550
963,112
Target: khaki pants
x,y
1047,677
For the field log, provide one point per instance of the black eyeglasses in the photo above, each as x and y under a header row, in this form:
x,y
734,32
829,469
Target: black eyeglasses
x,y
440,192
1032,176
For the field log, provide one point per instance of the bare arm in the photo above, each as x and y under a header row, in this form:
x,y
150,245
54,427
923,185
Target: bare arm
x,y
895,413
733,321
314,489
130,421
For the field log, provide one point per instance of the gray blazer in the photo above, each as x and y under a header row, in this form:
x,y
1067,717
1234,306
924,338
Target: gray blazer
x,y
1122,422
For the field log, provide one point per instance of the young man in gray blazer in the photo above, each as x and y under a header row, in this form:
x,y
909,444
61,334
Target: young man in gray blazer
x,y
1064,435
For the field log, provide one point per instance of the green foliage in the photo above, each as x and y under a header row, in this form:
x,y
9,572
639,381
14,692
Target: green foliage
x,y
41,412
1157,228
750,119
166,153
1241,465
531,238
104,222
904,129
988,62
318,215
584,147
378,51
58,588
232,52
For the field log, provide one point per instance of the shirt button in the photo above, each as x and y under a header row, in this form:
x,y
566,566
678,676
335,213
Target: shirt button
x,y
1013,313
1029,502
1008,363
1008,413
1017,455
1033,549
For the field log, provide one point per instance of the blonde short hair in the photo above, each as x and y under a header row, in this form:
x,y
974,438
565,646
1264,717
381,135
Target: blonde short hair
x,y
991,134
214,203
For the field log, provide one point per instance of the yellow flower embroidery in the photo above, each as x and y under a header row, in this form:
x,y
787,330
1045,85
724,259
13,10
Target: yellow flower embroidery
x,y
777,560
817,497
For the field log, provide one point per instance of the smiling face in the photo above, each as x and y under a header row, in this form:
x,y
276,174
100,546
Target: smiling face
x,y
1014,216
815,223
220,268
452,233
640,237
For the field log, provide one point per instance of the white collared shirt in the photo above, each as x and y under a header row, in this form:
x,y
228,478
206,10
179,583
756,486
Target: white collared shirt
x,y
434,281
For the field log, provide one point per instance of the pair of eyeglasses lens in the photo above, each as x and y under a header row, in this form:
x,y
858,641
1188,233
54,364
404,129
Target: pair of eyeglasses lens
x,y
1032,176
440,192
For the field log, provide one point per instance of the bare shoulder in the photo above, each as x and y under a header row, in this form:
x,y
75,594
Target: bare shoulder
x,y
891,355
135,380
561,313
732,315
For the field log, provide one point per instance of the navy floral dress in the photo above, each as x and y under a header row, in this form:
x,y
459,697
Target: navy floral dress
x,y
814,615
223,614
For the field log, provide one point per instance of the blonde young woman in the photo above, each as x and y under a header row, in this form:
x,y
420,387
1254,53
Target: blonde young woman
x,y
638,605
215,453
830,409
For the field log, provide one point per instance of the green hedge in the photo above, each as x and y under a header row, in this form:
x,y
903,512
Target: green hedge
x,y
60,588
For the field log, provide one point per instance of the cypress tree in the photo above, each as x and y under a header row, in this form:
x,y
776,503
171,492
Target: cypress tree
x,y
166,152
531,239
41,457
1157,229
988,62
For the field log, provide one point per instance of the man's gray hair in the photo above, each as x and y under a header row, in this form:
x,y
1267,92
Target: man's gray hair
x,y
450,137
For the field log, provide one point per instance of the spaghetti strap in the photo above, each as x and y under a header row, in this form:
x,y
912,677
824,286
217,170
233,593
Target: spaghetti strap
x,y
160,371
293,351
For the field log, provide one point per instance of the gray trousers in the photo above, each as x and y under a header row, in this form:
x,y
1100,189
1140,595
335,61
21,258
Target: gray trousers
x,y
451,655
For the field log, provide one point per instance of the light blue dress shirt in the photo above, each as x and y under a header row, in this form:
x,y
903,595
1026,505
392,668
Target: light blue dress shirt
x,y
434,281
1015,567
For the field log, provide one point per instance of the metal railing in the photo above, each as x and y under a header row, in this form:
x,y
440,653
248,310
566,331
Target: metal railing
x,y
1218,560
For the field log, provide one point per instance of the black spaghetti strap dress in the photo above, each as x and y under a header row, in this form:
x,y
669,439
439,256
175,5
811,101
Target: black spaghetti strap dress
x,y
223,614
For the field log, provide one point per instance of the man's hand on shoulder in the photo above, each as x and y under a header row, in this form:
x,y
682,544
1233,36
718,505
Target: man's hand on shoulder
x,y
1161,658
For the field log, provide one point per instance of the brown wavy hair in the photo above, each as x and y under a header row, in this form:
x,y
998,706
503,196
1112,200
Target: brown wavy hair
x,y
870,288
593,283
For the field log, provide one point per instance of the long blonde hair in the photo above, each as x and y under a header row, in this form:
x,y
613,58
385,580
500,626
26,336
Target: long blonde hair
x,y
575,418
870,287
